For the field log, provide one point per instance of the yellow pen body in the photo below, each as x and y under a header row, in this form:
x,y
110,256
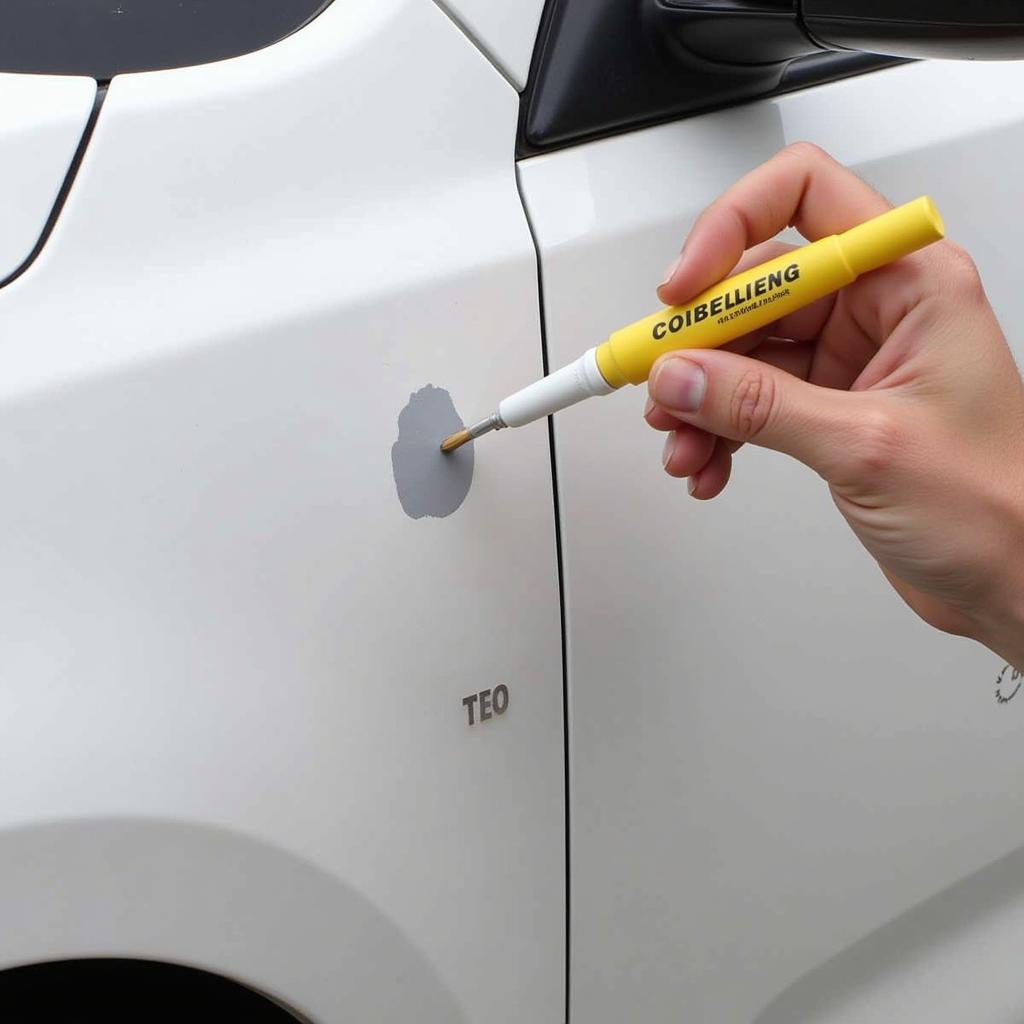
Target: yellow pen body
x,y
731,308
765,293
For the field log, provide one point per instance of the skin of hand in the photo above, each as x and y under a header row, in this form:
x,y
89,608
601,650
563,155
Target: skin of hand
x,y
899,391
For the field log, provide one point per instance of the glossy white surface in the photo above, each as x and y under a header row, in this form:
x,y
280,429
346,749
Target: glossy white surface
x,y
770,756
41,122
233,732
505,30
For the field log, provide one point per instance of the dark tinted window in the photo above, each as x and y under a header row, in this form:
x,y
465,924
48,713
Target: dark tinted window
x,y
102,38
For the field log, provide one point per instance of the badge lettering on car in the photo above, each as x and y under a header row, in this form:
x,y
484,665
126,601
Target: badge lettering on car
x,y
486,704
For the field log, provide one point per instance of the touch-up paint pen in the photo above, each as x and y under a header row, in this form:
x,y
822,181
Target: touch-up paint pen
x,y
731,308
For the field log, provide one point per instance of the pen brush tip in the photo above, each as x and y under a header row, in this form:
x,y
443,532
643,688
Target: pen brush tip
x,y
456,440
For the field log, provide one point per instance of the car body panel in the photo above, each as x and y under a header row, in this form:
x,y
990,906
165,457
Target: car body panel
x,y
235,670
221,632
771,757
504,31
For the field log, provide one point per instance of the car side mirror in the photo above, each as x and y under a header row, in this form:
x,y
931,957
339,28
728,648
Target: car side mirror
x,y
765,32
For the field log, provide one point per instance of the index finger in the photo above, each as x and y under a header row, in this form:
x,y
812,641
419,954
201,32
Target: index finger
x,y
801,186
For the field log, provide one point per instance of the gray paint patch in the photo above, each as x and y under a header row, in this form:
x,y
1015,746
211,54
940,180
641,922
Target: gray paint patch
x,y
429,482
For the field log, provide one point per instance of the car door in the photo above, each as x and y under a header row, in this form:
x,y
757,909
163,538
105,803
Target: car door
x,y
282,686
790,800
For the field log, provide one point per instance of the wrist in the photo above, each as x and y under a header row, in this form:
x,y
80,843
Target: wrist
x,y
1000,625
1008,644
999,531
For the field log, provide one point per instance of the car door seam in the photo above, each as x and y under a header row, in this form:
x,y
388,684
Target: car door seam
x,y
561,594
65,188
473,38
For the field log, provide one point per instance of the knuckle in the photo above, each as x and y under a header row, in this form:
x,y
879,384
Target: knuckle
x,y
874,445
962,272
752,405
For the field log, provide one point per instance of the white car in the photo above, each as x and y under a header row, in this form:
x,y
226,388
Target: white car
x,y
299,719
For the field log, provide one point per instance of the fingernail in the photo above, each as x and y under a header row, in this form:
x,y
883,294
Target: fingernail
x,y
678,385
691,485
666,452
671,269
648,407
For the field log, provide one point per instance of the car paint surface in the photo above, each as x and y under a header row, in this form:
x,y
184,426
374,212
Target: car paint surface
x,y
244,677
771,757
504,31
234,668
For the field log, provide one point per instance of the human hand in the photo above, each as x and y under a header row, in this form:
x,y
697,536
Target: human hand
x,y
899,390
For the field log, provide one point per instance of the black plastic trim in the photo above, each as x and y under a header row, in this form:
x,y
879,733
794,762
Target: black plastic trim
x,y
65,188
601,67
820,68
946,29
103,38
734,32
924,41
952,13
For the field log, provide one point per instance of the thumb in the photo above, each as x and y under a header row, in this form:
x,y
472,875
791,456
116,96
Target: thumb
x,y
746,400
